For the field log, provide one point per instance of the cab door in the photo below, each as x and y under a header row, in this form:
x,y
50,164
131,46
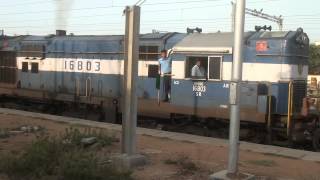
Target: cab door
x,y
8,68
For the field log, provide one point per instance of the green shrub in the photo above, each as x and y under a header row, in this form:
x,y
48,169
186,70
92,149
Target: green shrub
x,y
73,136
39,159
53,157
4,133
185,164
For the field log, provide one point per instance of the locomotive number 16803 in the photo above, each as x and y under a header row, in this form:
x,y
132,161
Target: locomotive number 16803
x,y
82,65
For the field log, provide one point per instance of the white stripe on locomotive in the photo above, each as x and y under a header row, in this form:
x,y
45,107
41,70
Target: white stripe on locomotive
x,y
251,71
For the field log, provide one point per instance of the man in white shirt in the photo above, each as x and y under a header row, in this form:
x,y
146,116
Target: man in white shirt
x,y
198,71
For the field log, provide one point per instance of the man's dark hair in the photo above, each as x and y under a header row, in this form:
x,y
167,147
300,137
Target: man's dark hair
x,y
163,51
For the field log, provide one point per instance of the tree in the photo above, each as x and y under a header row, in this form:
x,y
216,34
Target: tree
x,y
314,59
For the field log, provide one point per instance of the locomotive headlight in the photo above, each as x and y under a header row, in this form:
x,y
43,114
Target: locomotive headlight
x,y
302,38
115,102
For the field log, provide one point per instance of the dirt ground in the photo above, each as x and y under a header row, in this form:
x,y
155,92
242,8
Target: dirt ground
x,y
175,160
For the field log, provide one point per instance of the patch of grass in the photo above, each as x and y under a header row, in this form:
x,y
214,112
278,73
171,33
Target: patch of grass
x,y
266,163
170,161
279,155
310,177
4,133
53,158
39,159
84,166
186,141
185,164
74,136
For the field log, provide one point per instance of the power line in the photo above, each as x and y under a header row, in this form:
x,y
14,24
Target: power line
x,y
26,3
116,6
97,15
46,11
167,25
179,2
104,7
150,11
78,17
152,22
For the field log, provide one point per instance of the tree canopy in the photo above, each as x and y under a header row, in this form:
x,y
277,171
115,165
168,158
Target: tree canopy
x,y
314,59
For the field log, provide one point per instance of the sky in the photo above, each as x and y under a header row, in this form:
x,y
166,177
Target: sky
x,y
97,17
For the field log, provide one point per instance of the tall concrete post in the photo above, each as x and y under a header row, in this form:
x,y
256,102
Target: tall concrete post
x,y
236,78
129,157
129,121
233,4
235,88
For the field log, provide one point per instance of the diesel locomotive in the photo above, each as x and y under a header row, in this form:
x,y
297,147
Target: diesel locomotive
x,y
89,70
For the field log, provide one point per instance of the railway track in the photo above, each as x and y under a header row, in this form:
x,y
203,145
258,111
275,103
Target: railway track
x,y
182,124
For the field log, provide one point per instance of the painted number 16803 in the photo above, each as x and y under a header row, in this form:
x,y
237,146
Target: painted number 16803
x,y
199,88
80,65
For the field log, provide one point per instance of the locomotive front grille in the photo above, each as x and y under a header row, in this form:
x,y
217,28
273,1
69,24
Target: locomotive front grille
x,y
299,91
8,67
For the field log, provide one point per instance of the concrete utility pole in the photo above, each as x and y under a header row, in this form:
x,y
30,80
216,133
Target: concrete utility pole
x,y
233,15
129,123
129,157
235,87
236,78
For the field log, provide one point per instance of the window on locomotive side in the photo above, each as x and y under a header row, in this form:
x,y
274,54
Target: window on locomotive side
x,y
148,53
34,67
215,64
25,67
191,62
153,71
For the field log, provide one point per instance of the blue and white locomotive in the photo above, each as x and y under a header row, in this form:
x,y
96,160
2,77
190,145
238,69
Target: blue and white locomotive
x,y
89,70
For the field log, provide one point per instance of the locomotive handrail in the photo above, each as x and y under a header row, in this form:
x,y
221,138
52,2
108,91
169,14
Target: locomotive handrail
x,y
290,93
85,52
77,87
30,51
120,52
88,92
269,123
10,67
282,55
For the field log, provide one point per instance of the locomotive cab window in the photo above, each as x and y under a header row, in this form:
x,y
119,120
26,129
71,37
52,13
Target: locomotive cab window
x,y
34,67
25,67
215,63
196,67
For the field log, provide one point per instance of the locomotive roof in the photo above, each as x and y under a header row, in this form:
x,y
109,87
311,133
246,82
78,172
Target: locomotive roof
x,y
208,42
35,38
89,37
155,35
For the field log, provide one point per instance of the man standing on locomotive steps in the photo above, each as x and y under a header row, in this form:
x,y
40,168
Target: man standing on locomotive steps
x,y
165,64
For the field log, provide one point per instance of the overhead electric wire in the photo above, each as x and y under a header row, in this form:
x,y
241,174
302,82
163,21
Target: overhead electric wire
x,y
116,6
181,21
27,3
100,7
145,11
